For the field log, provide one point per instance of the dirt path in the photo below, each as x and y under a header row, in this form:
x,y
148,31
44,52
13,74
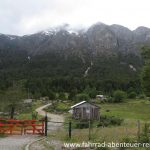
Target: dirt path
x,y
52,126
51,117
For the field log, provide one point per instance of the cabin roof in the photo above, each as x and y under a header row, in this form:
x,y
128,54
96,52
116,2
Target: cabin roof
x,y
80,103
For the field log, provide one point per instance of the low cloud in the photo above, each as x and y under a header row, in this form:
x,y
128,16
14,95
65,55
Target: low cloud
x,y
30,16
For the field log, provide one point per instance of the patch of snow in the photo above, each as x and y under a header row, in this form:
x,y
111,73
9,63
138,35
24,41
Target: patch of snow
x,y
50,31
47,32
11,37
73,32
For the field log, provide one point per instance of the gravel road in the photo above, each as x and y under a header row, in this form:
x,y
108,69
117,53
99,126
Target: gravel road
x,y
51,117
16,142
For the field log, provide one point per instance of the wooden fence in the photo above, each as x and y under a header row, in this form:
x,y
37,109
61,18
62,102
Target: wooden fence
x,y
11,126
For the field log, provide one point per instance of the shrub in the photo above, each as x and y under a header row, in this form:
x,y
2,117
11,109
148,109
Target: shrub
x,y
58,107
110,99
71,96
82,125
93,92
132,95
141,96
82,97
144,136
51,95
62,96
62,107
119,96
109,120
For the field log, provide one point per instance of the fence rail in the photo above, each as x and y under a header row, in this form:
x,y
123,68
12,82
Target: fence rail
x,y
11,126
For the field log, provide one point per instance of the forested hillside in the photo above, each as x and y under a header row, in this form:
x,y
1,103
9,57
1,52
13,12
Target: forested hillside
x,y
104,58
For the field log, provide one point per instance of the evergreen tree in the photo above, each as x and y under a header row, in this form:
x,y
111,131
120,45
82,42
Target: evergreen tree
x,y
145,75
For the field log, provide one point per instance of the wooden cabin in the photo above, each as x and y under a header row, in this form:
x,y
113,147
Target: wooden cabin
x,y
85,111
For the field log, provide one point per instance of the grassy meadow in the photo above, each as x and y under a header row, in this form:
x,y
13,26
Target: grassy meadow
x,y
130,110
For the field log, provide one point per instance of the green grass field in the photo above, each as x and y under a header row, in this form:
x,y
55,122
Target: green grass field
x,y
131,109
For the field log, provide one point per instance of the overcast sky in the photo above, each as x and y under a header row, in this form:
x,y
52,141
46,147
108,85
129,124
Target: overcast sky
x,y
29,16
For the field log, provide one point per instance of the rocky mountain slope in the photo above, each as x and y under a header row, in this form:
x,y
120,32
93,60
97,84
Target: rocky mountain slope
x,y
99,38
101,51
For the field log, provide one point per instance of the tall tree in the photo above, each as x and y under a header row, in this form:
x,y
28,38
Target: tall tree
x,y
145,75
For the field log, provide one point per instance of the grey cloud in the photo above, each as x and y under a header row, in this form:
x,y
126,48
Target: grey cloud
x,y
29,16
13,12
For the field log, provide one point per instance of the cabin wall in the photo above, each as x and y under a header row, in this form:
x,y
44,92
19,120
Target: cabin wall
x,y
81,112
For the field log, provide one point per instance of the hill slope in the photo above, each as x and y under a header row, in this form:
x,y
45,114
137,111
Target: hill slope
x,y
101,52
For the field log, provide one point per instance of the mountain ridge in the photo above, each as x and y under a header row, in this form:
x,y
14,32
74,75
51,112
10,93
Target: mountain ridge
x,y
98,38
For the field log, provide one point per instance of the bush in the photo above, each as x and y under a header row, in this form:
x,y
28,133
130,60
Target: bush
x,y
119,96
141,96
72,95
144,136
109,120
92,93
82,125
132,95
82,97
62,96
58,107
62,107
51,95
110,99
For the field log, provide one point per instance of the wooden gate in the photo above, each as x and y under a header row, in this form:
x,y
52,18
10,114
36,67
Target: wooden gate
x,y
11,126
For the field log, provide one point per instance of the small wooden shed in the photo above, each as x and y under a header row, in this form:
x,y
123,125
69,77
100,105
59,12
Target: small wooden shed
x,y
85,110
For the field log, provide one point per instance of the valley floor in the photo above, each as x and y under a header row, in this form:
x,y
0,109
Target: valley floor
x,y
130,111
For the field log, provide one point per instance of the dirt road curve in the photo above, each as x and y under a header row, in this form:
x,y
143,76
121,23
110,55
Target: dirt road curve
x,y
51,117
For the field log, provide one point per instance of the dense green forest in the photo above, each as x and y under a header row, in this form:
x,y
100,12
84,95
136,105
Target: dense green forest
x,y
52,74
45,74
